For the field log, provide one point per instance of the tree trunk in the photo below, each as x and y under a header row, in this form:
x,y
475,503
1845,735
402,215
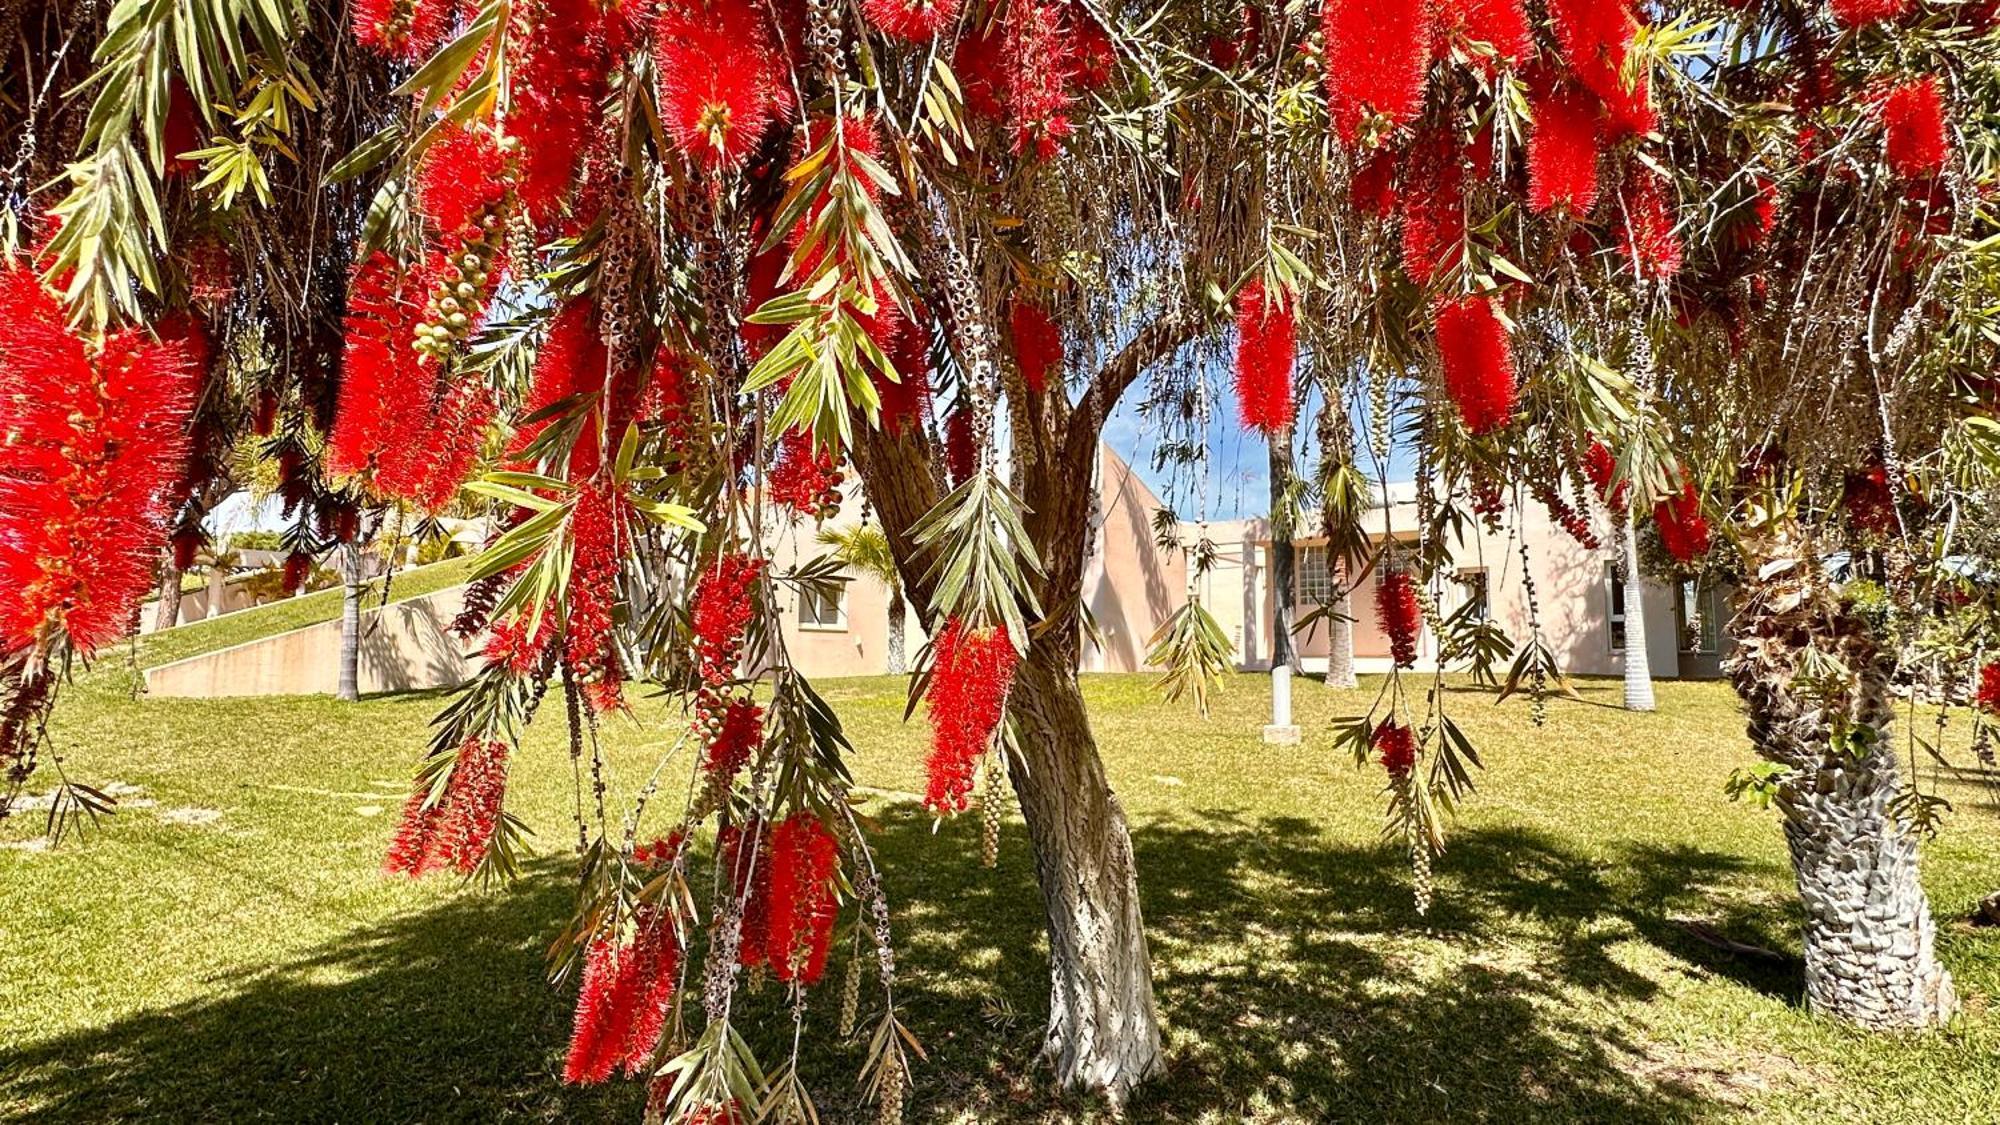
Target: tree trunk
x,y
1103,1034
1870,955
1284,558
349,688
1638,668
898,618
168,614
1340,637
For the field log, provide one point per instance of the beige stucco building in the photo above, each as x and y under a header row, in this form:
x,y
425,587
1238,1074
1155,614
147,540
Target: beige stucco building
x,y
1132,586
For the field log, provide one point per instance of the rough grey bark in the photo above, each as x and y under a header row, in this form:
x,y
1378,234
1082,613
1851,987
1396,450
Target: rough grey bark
x,y
349,688
898,623
1104,1031
168,614
1638,663
1870,942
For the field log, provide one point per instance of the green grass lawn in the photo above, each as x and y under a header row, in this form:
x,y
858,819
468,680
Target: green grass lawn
x,y
228,952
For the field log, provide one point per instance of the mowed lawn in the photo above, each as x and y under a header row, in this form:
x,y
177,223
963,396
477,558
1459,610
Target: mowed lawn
x,y
223,949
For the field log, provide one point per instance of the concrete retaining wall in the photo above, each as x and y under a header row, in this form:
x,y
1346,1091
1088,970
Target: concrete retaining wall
x,y
405,646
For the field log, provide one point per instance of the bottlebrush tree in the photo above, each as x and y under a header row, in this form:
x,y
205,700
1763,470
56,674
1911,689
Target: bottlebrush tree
x,y
698,256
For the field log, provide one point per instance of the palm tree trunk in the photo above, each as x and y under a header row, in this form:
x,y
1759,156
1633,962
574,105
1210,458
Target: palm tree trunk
x,y
898,621
1870,942
349,688
1284,557
1638,669
1340,636
168,614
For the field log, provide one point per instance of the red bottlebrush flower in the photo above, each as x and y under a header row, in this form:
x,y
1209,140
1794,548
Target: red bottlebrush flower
x,y
1096,55
1600,467
1376,57
560,74
1374,186
1683,529
1988,697
801,897
382,381
1870,501
94,447
182,132
961,460
1396,744
805,479
1478,362
738,731
1433,206
622,1005
298,568
743,852
1266,348
430,452
982,73
187,544
457,830
1755,223
1038,344
1914,127
722,609
970,675
1502,24
1595,37
1038,57
918,21
906,401
511,647
404,29
571,362
597,527
722,79
1648,240
1399,616
1562,151
462,176
1860,13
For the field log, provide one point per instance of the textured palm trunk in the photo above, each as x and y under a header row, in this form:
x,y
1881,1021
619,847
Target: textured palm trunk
x,y
349,688
898,623
1638,665
1870,942
1284,557
1104,1032
1340,640
168,614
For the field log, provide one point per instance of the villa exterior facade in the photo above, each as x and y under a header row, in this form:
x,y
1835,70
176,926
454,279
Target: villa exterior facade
x,y
1132,586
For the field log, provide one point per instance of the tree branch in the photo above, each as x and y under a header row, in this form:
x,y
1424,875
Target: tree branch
x,y
1156,341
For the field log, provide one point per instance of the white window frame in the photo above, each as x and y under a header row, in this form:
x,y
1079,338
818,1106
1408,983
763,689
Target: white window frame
x,y
811,624
1307,594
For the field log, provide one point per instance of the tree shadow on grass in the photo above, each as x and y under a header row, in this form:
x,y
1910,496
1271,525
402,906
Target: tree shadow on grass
x,y
1296,981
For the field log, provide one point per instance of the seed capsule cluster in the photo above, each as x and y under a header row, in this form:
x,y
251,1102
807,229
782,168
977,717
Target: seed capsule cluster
x,y
471,271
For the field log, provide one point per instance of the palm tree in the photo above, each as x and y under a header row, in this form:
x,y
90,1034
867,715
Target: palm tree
x,y
1638,668
865,548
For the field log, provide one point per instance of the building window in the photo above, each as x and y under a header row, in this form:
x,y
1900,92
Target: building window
x,y
1474,582
1315,577
1700,608
822,606
1617,586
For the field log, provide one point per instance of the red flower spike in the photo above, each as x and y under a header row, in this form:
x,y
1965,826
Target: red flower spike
x,y
1478,362
1502,24
1987,698
1399,616
805,478
597,536
1595,37
510,647
970,675
1396,744
737,737
570,362
1648,239
1683,529
383,385
744,853
802,898
906,401
1096,55
1266,349
722,79
981,67
1377,55
918,21
1038,61
1433,207
1914,127
960,458
1600,467
722,609
95,447
588,1060
1861,13
1038,344
1562,151
1374,188
560,74
457,830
